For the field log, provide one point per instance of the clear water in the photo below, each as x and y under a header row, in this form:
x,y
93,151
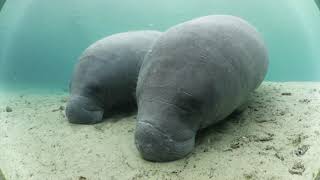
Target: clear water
x,y
41,40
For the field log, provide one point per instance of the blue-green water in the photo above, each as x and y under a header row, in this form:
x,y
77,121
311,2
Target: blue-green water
x,y
41,40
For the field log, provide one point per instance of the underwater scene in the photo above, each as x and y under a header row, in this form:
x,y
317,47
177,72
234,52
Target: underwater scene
x,y
198,89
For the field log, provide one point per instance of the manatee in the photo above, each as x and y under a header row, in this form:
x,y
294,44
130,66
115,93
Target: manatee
x,y
196,74
105,77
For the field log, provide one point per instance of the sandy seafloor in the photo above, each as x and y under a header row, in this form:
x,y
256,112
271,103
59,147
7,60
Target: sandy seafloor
x,y
277,137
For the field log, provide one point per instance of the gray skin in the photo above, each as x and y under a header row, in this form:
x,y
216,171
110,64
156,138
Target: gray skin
x,y
104,79
196,74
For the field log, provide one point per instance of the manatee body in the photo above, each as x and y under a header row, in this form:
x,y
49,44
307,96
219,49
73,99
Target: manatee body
x,y
104,79
196,74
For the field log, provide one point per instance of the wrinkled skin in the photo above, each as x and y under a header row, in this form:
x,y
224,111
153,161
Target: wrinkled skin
x,y
105,77
196,74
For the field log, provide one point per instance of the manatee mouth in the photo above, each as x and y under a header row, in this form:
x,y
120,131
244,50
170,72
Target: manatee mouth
x,y
156,145
83,110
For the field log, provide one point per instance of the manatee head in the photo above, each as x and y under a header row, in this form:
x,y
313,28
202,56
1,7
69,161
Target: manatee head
x,y
83,110
87,92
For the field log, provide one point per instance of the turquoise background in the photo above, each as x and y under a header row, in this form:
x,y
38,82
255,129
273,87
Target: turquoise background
x,y
41,40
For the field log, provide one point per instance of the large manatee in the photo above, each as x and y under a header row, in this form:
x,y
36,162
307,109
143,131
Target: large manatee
x,y
196,74
105,77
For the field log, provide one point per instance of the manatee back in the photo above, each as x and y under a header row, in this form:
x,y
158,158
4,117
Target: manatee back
x,y
111,66
218,60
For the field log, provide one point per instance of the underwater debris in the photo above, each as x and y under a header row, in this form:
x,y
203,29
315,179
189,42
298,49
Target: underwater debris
x,y
238,142
264,120
304,101
279,156
298,168
297,139
252,175
235,145
268,147
8,109
61,108
82,178
302,150
279,113
286,94
263,138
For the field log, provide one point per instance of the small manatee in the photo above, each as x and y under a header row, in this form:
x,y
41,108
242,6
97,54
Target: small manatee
x,y
104,79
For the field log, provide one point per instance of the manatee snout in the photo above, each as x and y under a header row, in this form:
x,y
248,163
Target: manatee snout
x,y
83,110
156,145
166,140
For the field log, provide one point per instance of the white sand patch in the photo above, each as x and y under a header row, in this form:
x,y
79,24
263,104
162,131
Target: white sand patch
x,y
277,137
